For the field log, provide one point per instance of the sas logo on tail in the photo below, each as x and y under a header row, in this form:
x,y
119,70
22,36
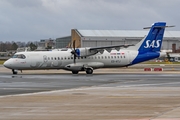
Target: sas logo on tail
x,y
153,44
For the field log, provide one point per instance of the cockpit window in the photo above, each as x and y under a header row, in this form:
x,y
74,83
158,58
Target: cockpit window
x,y
21,56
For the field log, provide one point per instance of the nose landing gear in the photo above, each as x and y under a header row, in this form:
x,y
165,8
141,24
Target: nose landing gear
x,y
14,71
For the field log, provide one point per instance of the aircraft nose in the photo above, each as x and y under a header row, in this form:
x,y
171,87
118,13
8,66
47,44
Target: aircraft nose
x,y
7,64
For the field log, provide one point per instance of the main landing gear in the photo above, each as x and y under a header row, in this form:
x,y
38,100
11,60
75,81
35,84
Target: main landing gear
x,y
75,72
88,71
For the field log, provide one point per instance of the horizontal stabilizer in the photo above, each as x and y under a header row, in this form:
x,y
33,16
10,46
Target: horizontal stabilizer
x,y
159,27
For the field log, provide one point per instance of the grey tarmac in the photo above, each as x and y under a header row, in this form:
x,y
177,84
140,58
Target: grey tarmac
x,y
108,94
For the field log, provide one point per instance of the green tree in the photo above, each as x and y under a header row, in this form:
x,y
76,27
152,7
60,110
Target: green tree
x,y
32,46
14,46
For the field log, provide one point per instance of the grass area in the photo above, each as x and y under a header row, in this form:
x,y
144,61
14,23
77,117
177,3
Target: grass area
x,y
1,62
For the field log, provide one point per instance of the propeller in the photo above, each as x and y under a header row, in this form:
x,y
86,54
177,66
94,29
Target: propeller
x,y
74,51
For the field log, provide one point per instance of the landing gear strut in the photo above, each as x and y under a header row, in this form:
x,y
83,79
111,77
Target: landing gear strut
x,y
14,71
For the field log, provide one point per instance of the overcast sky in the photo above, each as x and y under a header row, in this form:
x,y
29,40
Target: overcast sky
x,y
32,20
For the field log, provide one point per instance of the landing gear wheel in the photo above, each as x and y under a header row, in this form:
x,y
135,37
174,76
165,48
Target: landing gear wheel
x,y
14,72
75,72
89,71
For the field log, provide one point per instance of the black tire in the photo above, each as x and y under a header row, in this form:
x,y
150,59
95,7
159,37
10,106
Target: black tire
x,y
89,71
75,72
14,72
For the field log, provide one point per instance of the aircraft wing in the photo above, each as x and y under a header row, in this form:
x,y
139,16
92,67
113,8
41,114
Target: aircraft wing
x,y
109,48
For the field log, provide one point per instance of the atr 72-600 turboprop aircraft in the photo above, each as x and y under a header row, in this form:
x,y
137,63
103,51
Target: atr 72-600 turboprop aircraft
x,y
90,58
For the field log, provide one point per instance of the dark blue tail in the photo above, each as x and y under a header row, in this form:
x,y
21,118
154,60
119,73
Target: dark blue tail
x,y
153,40
149,48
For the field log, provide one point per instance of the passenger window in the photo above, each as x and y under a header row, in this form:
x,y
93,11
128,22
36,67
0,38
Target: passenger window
x,y
102,57
51,58
58,58
55,58
109,57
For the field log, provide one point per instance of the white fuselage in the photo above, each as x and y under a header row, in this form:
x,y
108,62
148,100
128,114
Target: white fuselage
x,y
60,59
90,58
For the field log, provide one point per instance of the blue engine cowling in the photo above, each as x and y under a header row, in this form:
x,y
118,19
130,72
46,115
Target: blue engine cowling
x,y
82,52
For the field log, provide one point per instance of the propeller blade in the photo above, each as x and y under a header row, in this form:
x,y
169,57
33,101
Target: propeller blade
x,y
74,51
74,59
74,45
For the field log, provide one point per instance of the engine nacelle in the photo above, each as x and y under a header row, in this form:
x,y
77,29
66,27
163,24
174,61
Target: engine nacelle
x,y
74,67
82,52
83,66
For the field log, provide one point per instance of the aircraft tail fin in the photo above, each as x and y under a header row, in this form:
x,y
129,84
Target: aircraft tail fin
x,y
153,41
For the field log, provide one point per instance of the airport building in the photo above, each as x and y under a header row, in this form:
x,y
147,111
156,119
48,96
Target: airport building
x,y
46,44
94,38
63,42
